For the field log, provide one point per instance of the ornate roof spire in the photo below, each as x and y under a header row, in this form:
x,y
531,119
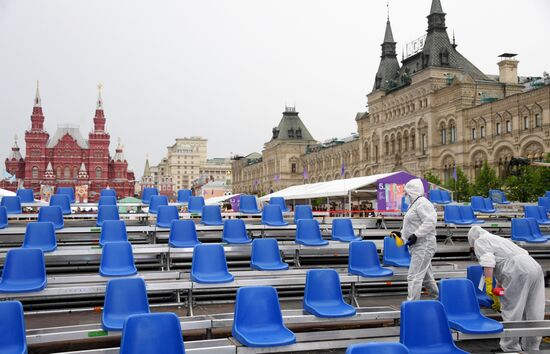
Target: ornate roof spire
x,y
436,7
99,98
37,99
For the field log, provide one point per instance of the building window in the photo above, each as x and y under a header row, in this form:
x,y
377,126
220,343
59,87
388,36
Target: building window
x,y
67,173
293,167
538,122
299,133
35,172
482,132
291,133
508,126
526,122
98,172
443,136
387,147
498,128
376,153
413,142
473,133
424,144
453,134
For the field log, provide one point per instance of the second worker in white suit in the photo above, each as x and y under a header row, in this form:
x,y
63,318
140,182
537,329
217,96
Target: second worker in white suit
x,y
419,232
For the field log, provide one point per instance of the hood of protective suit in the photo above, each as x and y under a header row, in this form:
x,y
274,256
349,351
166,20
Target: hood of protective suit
x,y
474,234
414,188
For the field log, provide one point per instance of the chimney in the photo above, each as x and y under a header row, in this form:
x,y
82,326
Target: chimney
x,y
508,69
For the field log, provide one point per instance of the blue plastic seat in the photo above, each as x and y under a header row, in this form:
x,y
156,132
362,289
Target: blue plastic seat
x,y
468,216
156,201
3,217
67,191
113,231
12,324
537,212
152,333
258,321
51,214
458,297
248,204
273,216
342,230
12,204
445,197
478,204
107,192
117,260
535,229
184,195
363,260
209,265
62,201
394,255
166,214
148,193
425,328
183,233
474,274
195,204
266,255
547,194
377,348
521,231
106,200
40,235
498,196
25,195
323,294
24,271
451,214
435,196
308,233
280,201
489,206
234,231
211,215
106,212
545,202
123,297
302,212
404,205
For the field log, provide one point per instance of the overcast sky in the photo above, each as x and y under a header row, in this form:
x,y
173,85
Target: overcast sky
x,y
224,69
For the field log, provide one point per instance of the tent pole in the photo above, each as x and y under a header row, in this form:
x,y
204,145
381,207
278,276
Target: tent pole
x,y
349,205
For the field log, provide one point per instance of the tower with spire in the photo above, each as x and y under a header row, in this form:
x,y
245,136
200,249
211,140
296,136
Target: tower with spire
x,y
15,164
388,70
36,140
98,141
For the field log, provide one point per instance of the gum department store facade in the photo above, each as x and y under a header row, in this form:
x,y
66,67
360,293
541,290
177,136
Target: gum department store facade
x,y
434,111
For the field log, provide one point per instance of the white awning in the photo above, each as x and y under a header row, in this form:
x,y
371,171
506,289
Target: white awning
x,y
218,200
6,193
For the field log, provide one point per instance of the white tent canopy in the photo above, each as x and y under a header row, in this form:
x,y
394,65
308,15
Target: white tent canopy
x,y
6,193
336,188
218,200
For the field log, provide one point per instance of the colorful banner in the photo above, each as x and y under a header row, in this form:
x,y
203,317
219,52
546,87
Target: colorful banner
x,y
46,192
390,190
81,194
235,202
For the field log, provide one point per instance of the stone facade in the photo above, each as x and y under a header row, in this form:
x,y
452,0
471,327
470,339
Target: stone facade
x,y
434,111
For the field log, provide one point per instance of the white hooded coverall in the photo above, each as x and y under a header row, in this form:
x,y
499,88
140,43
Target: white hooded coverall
x,y
520,276
420,219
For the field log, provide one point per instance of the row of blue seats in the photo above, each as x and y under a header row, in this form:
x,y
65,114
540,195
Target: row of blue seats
x,y
258,321
27,195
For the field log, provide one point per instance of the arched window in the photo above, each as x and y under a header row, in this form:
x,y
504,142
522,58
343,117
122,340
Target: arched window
x,y
443,136
98,172
35,172
67,173
453,133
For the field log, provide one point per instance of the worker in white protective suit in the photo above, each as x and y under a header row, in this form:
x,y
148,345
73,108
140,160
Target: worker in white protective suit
x,y
520,276
419,233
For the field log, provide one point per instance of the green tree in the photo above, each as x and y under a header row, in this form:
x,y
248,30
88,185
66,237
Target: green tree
x,y
486,180
432,178
461,187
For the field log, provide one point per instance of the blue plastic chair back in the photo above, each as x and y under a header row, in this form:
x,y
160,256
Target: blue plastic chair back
x,y
25,195
107,192
377,348
458,297
474,274
156,201
113,231
323,294
266,255
248,204
545,202
40,235
184,195
12,204
435,196
452,214
152,333
498,196
419,318
394,255
302,212
342,230
166,214
106,200
404,205
51,214
107,212
3,217
522,231
195,204
211,215
547,194
24,271
478,203
489,206
537,212
535,229
123,297
209,264
117,260
183,233
308,233
234,231
468,216
363,260
258,321
445,196
67,191
273,216
62,201
12,326
280,201
148,193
